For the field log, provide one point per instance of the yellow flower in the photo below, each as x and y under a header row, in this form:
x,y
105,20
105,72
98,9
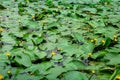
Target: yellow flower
x,y
93,71
1,30
92,40
95,39
1,76
31,73
57,10
53,53
118,77
59,49
89,54
115,39
8,54
8,71
103,41
68,7
33,17
115,36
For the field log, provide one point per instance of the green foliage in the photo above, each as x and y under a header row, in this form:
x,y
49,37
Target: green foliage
x,y
74,75
59,39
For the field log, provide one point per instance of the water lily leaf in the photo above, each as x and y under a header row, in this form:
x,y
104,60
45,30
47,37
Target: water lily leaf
x,y
27,77
57,57
40,54
55,72
23,59
74,75
42,67
78,37
32,24
113,58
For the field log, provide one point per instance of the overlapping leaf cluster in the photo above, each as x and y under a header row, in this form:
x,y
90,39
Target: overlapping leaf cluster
x,y
59,39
